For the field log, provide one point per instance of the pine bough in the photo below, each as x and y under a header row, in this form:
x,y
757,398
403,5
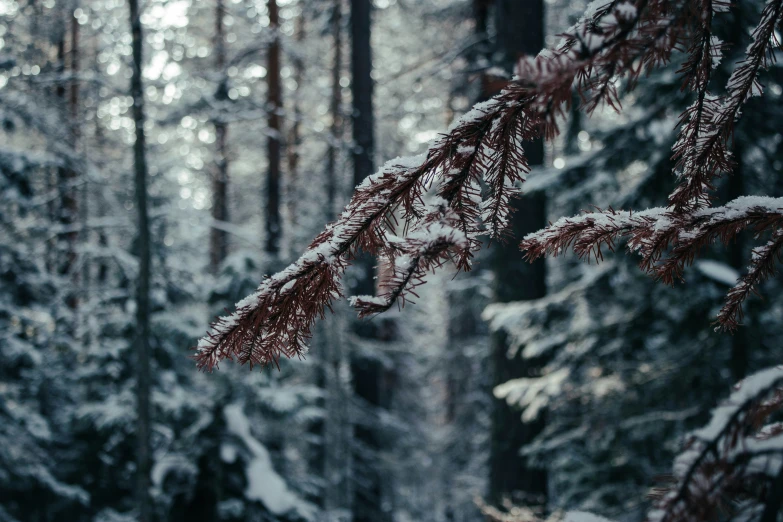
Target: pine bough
x,y
614,40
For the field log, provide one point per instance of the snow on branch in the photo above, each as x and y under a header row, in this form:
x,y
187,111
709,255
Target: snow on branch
x,y
485,144
650,233
615,39
423,250
738,455
702,151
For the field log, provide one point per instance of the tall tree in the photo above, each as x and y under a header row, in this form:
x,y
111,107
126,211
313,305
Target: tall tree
x,y
274,104
485,145
294,132
362,90
143,377
335,108
335,429
367,372
743,342
218,245
363,123
68,57
520,31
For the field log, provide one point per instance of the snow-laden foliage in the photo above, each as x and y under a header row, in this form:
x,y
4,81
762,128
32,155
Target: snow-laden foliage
x,y
611,47
612,41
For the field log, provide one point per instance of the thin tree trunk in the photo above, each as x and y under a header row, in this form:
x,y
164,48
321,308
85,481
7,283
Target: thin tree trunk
x,y
362,90
54,179
68,55
219,238
743,342
574,126
369,375
143,378
99,144
363,123
335,108
81,280
520,26
294,139
336,430
273,224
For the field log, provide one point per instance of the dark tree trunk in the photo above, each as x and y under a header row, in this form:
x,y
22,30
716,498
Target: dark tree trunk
x,y
362,90
68,56
520,31
742,340
335,108
143,456
363,122
274,103
218,244
574,126
336,431
294,138
368,373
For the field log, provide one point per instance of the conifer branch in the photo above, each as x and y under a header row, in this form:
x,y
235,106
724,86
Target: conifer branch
x,y
734,457
618,39
650,233
708,156
276,320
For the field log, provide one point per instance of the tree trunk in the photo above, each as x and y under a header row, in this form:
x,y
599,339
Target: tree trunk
x,y
143,457
520,31
741,340
218,244
294,139
68,55
362,90
574,126
333,459
274,103
368,373
335,108
362,117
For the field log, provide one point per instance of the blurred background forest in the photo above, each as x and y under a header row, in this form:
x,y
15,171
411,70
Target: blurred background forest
x,y
512,390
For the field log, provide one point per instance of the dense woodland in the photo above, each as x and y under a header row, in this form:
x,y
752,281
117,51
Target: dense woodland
x,y
160,159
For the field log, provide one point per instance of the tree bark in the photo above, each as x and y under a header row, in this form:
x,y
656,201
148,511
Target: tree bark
x,y
219,238
369,375
68,56
333,460
741,341
274,104
362,117
362,90
143,378
335,108
574,126
294,138
520,31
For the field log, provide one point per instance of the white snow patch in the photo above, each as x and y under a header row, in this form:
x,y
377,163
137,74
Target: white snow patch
x,y
720,272
263,483
583,516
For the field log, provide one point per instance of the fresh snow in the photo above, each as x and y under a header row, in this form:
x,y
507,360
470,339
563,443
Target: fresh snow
x,y
263,482
720,272
750,388
583,516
